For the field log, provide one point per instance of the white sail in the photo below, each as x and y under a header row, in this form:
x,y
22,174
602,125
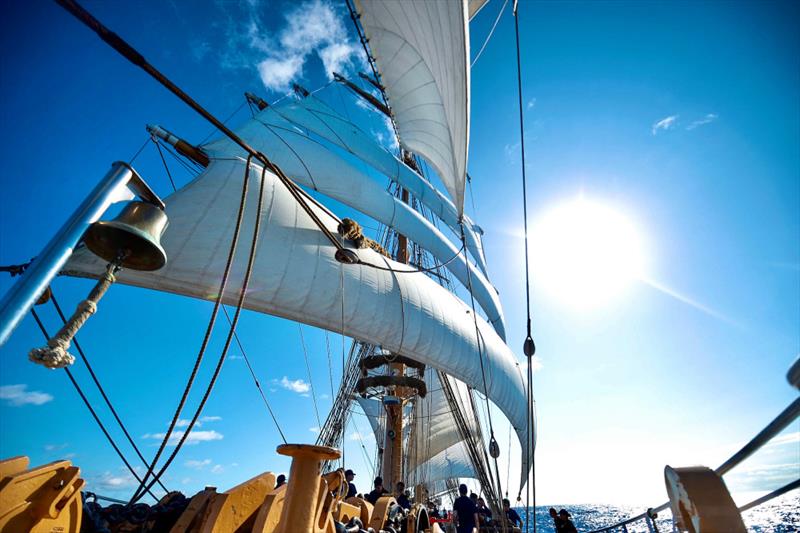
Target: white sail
x,y
314,115
296,276
451,463
312,164
422,53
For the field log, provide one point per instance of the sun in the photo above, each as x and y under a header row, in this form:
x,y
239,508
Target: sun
x,y
585,254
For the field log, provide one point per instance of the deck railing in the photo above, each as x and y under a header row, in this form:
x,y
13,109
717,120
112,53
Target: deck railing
x,y
781,422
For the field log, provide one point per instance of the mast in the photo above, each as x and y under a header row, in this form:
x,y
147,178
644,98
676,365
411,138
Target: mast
x,y
392,467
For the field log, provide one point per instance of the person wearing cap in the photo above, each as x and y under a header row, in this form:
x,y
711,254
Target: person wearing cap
x,y
464,511
377,492
351,488
280,481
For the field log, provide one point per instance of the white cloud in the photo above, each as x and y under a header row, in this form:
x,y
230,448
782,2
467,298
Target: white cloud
x,y
182,423
356,436
211,418
197,464
194,437
17,395
55,447
110,481
235,357
532,103
296,385
313,26
314,429
277,74
664,124
709,118
217,469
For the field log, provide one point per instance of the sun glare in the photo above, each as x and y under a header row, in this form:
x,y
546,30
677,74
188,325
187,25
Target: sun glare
x,y
585,254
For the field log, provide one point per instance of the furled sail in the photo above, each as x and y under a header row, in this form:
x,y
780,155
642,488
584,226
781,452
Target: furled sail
x,y
296,276
311,164
422,53
316,116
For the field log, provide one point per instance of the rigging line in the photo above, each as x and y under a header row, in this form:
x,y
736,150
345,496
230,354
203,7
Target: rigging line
x,y
255,379
529,347
97,383
483,371
206,337
139,151
166,167
330,363
137,59
224,122
89,406
491,32
415,270
308,369
508,460
239,305
194,169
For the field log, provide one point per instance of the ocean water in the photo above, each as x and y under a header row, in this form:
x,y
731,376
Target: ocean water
x,y
781,515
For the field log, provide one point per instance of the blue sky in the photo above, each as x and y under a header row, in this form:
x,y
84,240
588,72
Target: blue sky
x,y
684,117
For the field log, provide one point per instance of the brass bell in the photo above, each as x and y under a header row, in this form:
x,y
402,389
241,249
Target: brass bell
x,y
134,236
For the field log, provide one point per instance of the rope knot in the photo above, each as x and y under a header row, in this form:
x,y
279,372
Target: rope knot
x,y
351,230
54,355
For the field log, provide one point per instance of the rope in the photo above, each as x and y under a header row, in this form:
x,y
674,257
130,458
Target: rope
x,y
308,370
238,342
100,387
239,304
350,229
529,347
255,379
491,32
166,167
207,137
127,51
91,409
206,337
139,151
55,354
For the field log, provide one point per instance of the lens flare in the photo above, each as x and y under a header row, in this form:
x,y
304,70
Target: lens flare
x,y
585,254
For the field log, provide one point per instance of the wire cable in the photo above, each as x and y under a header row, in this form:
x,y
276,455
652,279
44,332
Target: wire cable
x,y
100,388
491,32
206,337
91,409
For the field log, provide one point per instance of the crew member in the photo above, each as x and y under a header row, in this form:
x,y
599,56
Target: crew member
x,y
464,511
377,492
511,515
351,488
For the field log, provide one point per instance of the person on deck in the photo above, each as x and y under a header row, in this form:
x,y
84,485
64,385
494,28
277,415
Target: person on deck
x,y
567,525
511,515
484,513
464,512
558,524
280,481
351,488
401,496
377,492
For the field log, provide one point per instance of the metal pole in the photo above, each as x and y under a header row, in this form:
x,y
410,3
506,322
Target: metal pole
x,y
22,296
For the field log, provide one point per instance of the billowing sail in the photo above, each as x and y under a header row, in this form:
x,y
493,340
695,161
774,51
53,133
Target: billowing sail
x,y
422,53
451,463
314,115
296,276
311,164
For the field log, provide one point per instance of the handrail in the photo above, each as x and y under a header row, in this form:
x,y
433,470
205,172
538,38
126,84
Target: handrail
x,y
781,422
